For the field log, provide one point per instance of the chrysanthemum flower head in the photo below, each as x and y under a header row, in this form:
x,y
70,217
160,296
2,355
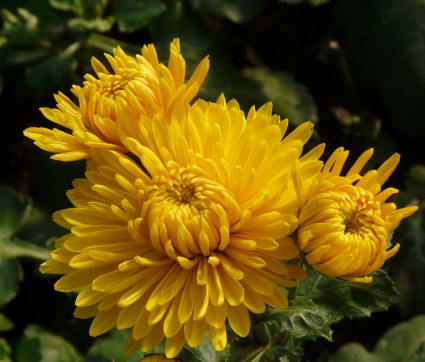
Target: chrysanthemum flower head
x,y
188,233
142,84
345,223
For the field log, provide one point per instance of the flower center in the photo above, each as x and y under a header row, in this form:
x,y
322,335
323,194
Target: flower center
x,y
359,211
187,213
109,84
352,224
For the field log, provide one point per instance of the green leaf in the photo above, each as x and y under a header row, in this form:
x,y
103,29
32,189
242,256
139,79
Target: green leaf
x,y
39,345
321,301
383,44
5,323
290,99
21,30
107,44
343,298
354,352
205,352
5,351
235,351
111,348
93,9
89,14
238,11
102,25
405,342
303,319
53,70
68,5
131,15
13,209
10,276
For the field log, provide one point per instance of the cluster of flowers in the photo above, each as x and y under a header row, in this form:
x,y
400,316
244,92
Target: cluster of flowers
x,y
189,213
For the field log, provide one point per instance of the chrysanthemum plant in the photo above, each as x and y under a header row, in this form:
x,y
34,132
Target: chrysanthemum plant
x,y
196,219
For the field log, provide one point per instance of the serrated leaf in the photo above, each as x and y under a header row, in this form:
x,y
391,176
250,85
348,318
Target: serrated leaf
x,y
131,15
304,319
405,342
10,276
321,301
238,11
290,99
288,349
348,299
5,323
39,345
205,351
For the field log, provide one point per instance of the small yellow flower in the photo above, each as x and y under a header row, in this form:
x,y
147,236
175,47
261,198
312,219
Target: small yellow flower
x,y
345,224
142,85
196,236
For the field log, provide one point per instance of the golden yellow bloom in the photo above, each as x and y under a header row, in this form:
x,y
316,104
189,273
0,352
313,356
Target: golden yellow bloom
x,y
142,84
197,238
345,224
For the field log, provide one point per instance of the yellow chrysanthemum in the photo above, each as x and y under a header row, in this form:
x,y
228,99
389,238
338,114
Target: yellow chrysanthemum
x,y
195,236
345,223
142,84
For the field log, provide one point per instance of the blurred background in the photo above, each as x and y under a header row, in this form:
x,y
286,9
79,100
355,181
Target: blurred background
x,y
354,68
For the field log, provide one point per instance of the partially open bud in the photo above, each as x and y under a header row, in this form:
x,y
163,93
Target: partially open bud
x,y
345,224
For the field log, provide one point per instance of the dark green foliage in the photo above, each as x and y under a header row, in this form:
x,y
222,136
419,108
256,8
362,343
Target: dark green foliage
x,y
357,68
39,345
14,209
110,348
403,343
321,301
238,11
132,15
